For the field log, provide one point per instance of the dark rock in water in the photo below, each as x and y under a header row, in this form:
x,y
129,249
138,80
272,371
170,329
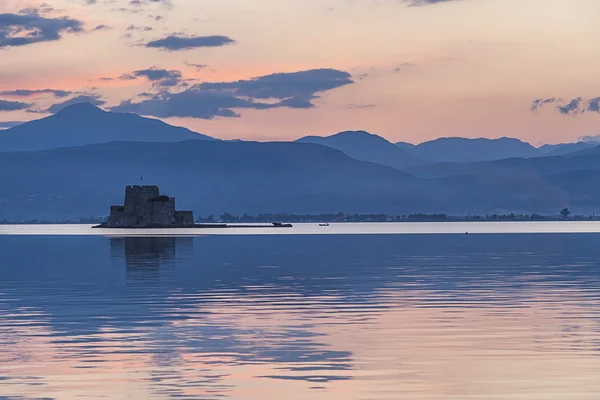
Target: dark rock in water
x,y
145,207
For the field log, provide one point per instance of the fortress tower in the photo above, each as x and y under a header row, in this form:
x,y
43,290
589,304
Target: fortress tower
x,y
145,207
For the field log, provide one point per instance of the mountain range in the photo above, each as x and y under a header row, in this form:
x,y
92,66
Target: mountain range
x,y
83,123
75,163
369,147
455,149
364,146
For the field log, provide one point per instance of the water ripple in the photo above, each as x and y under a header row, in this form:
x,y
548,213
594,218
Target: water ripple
x,y
430,317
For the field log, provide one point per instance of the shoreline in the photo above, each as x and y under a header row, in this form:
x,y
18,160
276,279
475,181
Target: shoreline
x,y
225,225
196,226
460,228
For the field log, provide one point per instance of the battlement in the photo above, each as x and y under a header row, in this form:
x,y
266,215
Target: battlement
x,y
135,189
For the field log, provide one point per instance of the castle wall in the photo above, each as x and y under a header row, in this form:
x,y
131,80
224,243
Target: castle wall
x,y
162,213
137,197
144,206
185,218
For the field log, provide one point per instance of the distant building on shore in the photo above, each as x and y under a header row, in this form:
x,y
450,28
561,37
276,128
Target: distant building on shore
x,y
145,207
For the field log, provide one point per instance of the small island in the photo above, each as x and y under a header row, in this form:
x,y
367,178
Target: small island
x,y
145,207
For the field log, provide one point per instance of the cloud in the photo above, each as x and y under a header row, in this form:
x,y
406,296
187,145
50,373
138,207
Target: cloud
x,y
175,43
354,106
573,107
101,27
197,66
159,77
21,30
303,84
420,3
593,105
128,10
127,77
36,92
210,100
137,3
190,103
6,105
590,138
9,124
539,103
93,99
139,28
134,3
122,77
44,8
297,102
402,68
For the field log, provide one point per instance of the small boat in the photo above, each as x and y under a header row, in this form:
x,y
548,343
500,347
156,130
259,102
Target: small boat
x,y
324,224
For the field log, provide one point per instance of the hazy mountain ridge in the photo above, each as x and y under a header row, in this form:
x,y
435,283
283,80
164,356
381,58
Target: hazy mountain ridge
x,y
584,160
82,124
566,148
214,176
252,177
455,149
365,146
368,147
206,176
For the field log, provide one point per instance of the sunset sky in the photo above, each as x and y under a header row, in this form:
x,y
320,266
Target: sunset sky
x,y
409,70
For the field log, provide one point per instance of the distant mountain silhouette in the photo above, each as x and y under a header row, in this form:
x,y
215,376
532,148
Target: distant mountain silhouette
x,y
212,177
589,151
456,149
75,164
565,148
83,123
364,146
408,147
205,176
513,167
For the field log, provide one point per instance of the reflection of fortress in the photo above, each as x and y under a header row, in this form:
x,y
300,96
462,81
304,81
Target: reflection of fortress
x,y
146,255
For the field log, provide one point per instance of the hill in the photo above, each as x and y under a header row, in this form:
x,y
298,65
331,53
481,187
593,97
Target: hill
x,y
456,149
364,146
83,124
542,166
213,177
565,148
206,176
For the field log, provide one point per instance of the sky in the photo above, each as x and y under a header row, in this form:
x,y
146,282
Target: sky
x,y
408,70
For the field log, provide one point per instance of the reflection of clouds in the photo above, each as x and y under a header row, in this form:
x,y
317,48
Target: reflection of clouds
x,y
543,343
402,317
408,348
212,351
457,349
35,363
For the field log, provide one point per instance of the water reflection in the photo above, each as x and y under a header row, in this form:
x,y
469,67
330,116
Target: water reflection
x,y
267,317
145,256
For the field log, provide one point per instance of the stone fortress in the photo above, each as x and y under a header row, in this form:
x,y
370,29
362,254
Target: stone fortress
x,y
145,207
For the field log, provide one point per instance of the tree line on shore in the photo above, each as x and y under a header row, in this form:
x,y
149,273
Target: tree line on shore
x,y
564,214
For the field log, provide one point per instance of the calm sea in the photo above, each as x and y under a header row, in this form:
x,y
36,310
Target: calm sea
x,y
269,317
